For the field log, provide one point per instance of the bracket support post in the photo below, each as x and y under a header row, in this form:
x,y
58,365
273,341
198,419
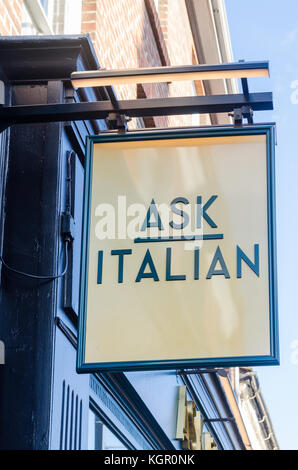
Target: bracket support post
x,y
69,92
116,120
239,113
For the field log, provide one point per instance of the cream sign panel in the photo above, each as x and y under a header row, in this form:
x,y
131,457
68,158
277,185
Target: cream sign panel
x,y
178,259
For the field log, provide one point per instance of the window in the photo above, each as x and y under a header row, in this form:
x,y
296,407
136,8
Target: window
x,y
45,5
100,437
28,25
35,17
65,16
51,17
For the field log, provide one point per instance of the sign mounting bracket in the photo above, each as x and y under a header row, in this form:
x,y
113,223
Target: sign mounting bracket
x,y
239,113
245,111
119,112
116,119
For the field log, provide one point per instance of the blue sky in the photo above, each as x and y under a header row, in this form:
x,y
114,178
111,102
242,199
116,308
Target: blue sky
x,y
261,30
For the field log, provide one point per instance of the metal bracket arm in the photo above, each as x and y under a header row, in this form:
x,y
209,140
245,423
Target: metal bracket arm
x,y
133,108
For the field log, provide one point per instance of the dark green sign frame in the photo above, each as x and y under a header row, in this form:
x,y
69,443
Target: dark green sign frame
x,y
273,358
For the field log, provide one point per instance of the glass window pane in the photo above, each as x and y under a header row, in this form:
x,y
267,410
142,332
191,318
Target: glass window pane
x,y
110,441
64,16
28,25
45,5
91,430
100,437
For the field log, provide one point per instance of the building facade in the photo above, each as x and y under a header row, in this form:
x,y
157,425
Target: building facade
x,y
45,404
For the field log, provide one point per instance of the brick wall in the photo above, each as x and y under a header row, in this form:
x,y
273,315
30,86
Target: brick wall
x,y
163,17
10,17
133,33
178,36
122,35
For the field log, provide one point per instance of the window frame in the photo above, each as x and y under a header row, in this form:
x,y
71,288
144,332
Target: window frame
x,y
38,16
94,407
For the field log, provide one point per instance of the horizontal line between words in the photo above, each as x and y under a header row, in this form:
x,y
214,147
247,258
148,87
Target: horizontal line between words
x,y
189,238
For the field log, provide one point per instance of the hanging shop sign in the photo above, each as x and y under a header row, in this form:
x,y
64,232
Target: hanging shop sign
x,y
178,254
